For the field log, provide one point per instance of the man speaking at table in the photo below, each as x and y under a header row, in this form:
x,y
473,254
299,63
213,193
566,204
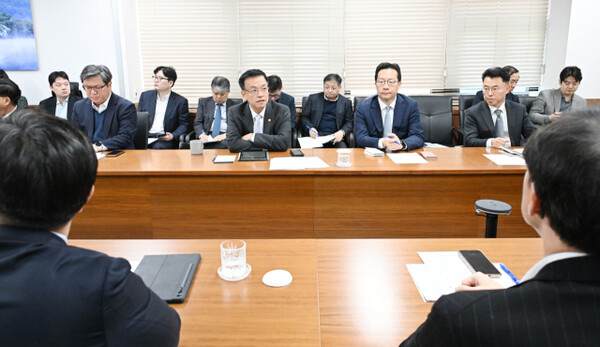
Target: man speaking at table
x,y
257,123
53,294
557,302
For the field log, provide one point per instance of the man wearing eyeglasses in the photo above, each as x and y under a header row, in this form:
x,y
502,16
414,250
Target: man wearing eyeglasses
x,y
388,120
257,123
60,104
168,111
109,120
275,94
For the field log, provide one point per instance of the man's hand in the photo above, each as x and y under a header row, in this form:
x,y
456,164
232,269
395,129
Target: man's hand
x,y
555,116
220,137
168,137
313,133
203,137
478,281
339,136
499,142
247,137
392,142
96,148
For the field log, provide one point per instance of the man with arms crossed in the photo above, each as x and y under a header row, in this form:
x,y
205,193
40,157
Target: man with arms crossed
x,y
388,120
54,294
109,121
60,104
257,123
496,122
557,302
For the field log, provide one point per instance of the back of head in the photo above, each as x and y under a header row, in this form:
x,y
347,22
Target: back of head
x,y
563,159
96,70
571,71
248,74
494,72
275,83
3,74
511,70
220,84
47,170
10,89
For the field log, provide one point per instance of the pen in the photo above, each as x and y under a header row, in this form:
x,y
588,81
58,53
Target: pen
x,y
182,285
313,131
510,274
389,137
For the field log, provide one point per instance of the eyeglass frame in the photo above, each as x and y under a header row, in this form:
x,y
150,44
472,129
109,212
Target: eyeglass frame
x,y
253,92
97,89
390,83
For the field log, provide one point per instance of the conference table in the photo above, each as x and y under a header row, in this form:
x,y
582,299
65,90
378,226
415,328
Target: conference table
x,y
345,292
170,194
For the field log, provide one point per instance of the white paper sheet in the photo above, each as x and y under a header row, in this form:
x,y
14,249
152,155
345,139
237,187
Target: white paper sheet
x,y
152,139
407,158
100,155
309,142
220,159
504,159
297,163
434,145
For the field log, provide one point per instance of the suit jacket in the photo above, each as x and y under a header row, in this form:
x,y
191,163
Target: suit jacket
x,y
49,105
276,131
313,111
206,114
479,125
288,100
548,102
368,123
120,121
58,295
560,306
176,116
479,98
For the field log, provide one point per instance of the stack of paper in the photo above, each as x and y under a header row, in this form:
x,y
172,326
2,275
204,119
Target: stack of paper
x,y
505,159
309,142
297,163
407,158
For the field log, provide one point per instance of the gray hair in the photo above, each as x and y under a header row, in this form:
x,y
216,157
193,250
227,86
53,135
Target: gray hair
x,y
96,70
220,84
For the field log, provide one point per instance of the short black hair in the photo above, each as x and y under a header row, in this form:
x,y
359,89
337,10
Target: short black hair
x,y
275,83
248,74
168,71
333,77
57,74
3,74
47,170
571,71
563,159
10,89
510,69
494,72
384,66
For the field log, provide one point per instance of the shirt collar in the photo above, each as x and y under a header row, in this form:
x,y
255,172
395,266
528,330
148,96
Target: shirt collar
x,y
382,104
501,108
102,106
11,112
336,98
64,102
164,98
254,114
63,237
547,260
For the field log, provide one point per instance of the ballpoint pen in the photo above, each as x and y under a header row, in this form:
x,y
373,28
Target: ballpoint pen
x,y
311,130
510,274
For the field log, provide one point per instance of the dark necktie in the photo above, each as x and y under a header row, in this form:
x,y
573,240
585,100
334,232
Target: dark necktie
x,y
217,123
499,127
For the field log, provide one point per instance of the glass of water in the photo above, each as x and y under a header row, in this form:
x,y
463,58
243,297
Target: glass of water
x,y
343,157
233,261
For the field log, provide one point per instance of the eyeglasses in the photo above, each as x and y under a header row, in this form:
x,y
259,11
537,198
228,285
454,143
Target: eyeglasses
x,y
158,78
95,88
255,91
388,82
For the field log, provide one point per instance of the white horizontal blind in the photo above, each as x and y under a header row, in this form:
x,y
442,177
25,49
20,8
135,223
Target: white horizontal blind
x,y
410,33
485,33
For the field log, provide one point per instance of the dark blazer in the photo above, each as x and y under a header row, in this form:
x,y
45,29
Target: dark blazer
x,y
368,124
49,105
276,131
479,125
558,307
313,110
479,98
206,114
288,100
58,295
120,121
176,116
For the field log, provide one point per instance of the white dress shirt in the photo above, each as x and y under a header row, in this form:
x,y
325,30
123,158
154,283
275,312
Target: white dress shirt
x,y
493,109
258,117
61,109
158,126
382,107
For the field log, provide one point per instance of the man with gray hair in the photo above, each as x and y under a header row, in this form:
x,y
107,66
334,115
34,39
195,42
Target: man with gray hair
x,y
109,120
211,119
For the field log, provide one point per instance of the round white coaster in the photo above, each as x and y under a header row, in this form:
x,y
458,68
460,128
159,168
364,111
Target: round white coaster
x,y
277,278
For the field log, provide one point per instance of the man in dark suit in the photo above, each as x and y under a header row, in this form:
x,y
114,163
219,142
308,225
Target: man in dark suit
x,y
496,122
54,294
61,102
109,121
388,120
211,119
557,302
9,97
328,113
168,111
257,123
275,94
512,83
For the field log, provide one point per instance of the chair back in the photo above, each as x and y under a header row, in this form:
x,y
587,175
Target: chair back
x,y
436,118
527,101
141,135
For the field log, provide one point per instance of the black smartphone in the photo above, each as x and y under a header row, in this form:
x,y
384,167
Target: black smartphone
x,y
161,134
114,153
476,261
296,153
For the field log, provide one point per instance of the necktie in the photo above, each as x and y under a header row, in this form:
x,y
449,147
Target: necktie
x,y
499,127
258,124
387,125
217,123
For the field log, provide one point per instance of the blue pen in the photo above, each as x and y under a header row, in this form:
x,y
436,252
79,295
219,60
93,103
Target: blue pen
x,y
510,274
389,137
310,129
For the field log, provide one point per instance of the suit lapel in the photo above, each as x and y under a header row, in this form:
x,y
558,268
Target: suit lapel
x,y
210,115
169,112
319,115
557,100
151,107
69,106
511,119
398,113
109,115
339,112
88,119
267,120
247,120
376,112
53,106
487,116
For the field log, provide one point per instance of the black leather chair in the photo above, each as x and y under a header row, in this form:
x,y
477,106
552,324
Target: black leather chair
x,y
527,101
184,139
75,89
140,141
436,118
464,102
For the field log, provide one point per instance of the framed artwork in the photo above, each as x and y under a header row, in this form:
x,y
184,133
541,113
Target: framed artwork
x,y
17,41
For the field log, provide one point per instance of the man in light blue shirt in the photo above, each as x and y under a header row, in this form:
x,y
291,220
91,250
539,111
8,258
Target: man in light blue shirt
x,y
61,102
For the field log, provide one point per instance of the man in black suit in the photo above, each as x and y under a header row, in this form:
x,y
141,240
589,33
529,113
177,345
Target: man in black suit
x,y
109,120
257,123
275,94
496,122
61,102
168,111
54,294
9,97
211,119
557,302
328,113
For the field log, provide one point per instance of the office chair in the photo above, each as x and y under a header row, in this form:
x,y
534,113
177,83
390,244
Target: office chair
x,y
140,140
436,118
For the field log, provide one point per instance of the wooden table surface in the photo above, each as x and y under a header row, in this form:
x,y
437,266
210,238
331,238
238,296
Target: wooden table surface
x,y
351,292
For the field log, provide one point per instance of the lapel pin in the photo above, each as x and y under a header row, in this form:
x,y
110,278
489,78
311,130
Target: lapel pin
x,y
268,120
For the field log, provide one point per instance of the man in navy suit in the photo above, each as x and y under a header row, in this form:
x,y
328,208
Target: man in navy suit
x,y
388,120
61,102
557,302
168,111
496,122
109,121
275,94
54,294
